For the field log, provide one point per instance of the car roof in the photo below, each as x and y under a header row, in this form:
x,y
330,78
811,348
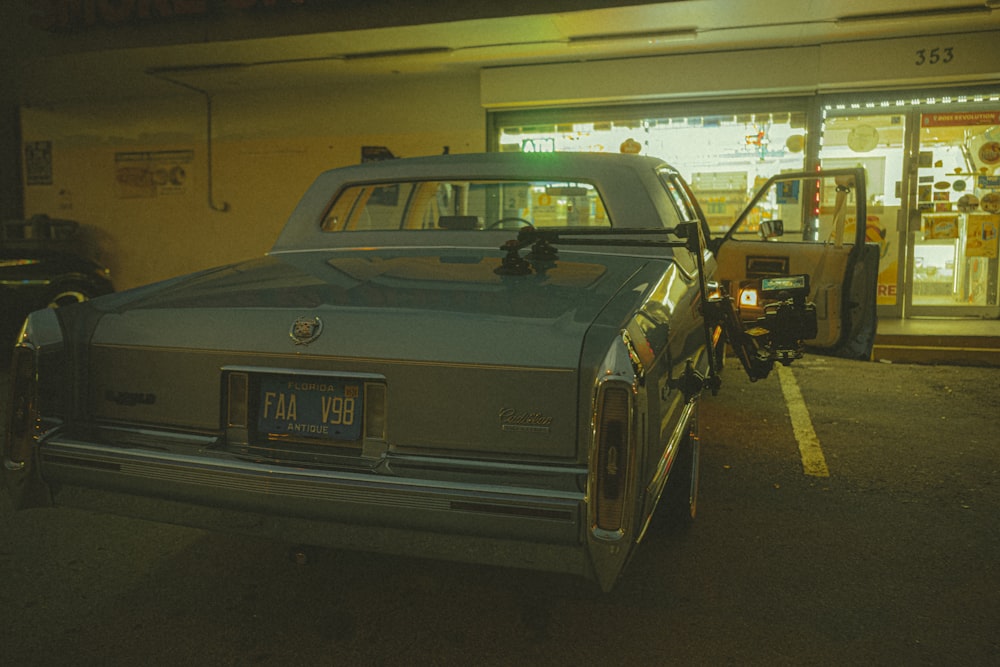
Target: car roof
x,y
624,181
504,164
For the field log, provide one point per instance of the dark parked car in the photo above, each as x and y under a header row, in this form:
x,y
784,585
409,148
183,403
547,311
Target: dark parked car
x,y
493,358
43,262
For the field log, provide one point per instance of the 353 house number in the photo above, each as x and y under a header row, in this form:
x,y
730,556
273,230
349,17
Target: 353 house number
x,y
936,56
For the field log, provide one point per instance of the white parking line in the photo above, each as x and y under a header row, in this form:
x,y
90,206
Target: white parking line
x,y
813,461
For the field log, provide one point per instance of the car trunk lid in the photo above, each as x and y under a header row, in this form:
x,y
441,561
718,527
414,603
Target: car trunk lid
x,y
472,361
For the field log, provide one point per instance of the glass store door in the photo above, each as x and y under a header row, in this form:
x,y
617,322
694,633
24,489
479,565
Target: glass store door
x,y
875,140
954,242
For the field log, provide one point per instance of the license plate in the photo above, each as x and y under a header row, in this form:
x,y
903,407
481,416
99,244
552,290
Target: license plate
x,y
318,408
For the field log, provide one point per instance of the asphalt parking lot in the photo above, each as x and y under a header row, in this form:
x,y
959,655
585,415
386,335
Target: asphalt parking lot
x,y
891,557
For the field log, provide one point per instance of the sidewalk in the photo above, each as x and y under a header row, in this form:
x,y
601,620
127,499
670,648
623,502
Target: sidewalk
x,y
964,342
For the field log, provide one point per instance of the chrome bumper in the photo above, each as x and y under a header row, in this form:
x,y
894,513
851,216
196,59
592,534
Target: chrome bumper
x,y
482,523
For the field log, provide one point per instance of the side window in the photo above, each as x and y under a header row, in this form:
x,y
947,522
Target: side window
x,y
684,210
785,203
817,209
337,218
368,207
683,201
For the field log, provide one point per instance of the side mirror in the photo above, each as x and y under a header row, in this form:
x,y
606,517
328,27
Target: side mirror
x,y
771,229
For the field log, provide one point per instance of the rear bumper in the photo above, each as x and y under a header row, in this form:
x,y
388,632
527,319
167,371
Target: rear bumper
x,y
481,523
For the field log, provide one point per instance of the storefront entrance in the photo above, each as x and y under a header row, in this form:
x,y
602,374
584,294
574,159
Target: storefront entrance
x,y
934,198
933,164
954,267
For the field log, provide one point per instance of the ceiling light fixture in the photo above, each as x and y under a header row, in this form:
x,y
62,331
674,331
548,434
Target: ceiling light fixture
x,y
917,14
651,37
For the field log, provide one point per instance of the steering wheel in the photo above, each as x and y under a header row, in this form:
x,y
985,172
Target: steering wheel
x,y
505,223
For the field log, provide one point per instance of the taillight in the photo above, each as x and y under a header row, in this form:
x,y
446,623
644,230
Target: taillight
x,y
614,453
24,425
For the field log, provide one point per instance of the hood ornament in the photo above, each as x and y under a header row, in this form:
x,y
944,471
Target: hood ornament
x,y
305,330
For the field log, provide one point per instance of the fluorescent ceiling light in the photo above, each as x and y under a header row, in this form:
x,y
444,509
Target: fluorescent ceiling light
x,y
916,14
651,37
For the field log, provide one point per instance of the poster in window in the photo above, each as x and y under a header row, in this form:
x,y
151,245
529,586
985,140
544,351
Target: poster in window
x,y
981,237
940,227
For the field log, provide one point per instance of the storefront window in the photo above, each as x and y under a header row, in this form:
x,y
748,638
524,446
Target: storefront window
x,y
932,161
723,157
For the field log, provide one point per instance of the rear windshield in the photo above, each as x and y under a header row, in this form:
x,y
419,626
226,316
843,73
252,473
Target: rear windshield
x,y
466,205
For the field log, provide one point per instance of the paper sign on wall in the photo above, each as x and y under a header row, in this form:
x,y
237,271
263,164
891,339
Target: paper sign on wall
x,y
140,174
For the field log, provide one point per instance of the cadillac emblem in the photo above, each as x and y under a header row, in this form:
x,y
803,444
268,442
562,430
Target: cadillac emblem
x,y
528,421
305,330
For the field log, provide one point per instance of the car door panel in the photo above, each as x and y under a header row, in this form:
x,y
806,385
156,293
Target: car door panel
x,y
807,223
742,264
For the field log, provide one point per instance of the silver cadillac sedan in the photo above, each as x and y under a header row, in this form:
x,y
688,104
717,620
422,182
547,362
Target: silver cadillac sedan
x,y
492,358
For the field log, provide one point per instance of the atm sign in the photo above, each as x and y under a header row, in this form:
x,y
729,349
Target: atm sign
x,y
543,145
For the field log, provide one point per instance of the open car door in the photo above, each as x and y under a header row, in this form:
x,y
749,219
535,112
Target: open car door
x,y
807,223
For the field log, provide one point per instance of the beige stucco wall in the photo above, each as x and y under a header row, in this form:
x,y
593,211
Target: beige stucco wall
x,y
268,147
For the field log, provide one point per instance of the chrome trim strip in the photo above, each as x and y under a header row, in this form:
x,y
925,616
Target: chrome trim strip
x,y
665,465
487,466
347,249
268,370
333,358
271,480
118,431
